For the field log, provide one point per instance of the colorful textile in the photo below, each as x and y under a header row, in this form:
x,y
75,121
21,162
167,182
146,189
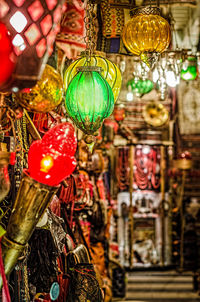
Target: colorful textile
x,y
72,30
112,19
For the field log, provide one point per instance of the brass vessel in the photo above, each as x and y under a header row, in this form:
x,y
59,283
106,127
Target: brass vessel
x,y
155,114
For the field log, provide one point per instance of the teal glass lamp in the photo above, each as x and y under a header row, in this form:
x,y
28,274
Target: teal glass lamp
x,y
89,99
189,70
140,86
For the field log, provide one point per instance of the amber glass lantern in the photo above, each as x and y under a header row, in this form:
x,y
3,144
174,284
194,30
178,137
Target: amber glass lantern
x,y
33,26
147,33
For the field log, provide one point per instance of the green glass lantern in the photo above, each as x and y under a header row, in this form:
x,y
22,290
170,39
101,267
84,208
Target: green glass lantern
x,y
89,99
140,86
189,69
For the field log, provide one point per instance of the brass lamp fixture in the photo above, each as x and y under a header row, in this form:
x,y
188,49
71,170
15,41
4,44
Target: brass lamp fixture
x,y
147,34
31,202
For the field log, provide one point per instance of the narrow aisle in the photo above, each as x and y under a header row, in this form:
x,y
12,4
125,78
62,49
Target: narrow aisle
x,y
160,287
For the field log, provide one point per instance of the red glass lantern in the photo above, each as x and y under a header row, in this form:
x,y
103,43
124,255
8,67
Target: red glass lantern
x,y
7,56
51,159
33,26
62,137
119,113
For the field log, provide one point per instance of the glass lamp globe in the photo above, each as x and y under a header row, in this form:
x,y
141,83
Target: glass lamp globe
x,y
189,69
147,34
109,71
89,99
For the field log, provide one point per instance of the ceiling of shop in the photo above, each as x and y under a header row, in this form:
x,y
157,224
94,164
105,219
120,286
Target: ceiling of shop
x,y
186,24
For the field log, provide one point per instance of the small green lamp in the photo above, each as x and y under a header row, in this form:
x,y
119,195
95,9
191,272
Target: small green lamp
x,y
189,70
89,99
140,86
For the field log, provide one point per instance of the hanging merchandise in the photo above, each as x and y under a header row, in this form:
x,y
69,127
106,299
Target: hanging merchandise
x,y
43,252
72,30
89,99
33,197
174,63
112,20
140,87
110,72
147,34
45,95
155,114
6,158
146,170
51,159
189,69
32,28
119,113
167,70
84,285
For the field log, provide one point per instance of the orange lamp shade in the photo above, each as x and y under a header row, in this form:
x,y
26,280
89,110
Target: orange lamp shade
x,y
147,33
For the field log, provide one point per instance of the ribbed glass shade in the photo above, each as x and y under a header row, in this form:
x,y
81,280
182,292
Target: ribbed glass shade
x,y
89,100
110,72
146,32
46,95
141,86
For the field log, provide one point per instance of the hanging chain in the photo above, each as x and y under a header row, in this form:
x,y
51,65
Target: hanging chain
x,y
21,150
90,29
25,271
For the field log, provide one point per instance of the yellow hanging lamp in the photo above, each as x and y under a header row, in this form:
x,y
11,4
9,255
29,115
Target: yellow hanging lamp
x,y
110,72
147,33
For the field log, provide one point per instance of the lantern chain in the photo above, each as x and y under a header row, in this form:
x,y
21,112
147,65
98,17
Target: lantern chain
x,y
90,29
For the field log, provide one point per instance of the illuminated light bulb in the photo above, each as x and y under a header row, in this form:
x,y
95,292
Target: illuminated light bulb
x,y
155,75
18,41
129,96
146,150
171,79
46,163
18,21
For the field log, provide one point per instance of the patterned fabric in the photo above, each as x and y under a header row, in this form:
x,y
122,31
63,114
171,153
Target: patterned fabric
x,y
112,19
72,29
108,45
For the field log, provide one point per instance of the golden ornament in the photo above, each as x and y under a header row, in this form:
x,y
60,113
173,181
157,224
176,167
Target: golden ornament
x,y
46,95
155,114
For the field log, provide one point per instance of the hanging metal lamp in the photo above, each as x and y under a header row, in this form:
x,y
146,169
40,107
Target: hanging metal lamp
x,y
89,99
147,33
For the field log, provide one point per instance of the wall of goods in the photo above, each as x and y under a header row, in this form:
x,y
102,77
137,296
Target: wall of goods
x,y
98,133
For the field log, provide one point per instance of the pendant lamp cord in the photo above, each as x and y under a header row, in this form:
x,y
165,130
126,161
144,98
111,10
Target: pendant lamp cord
x,y
5,290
